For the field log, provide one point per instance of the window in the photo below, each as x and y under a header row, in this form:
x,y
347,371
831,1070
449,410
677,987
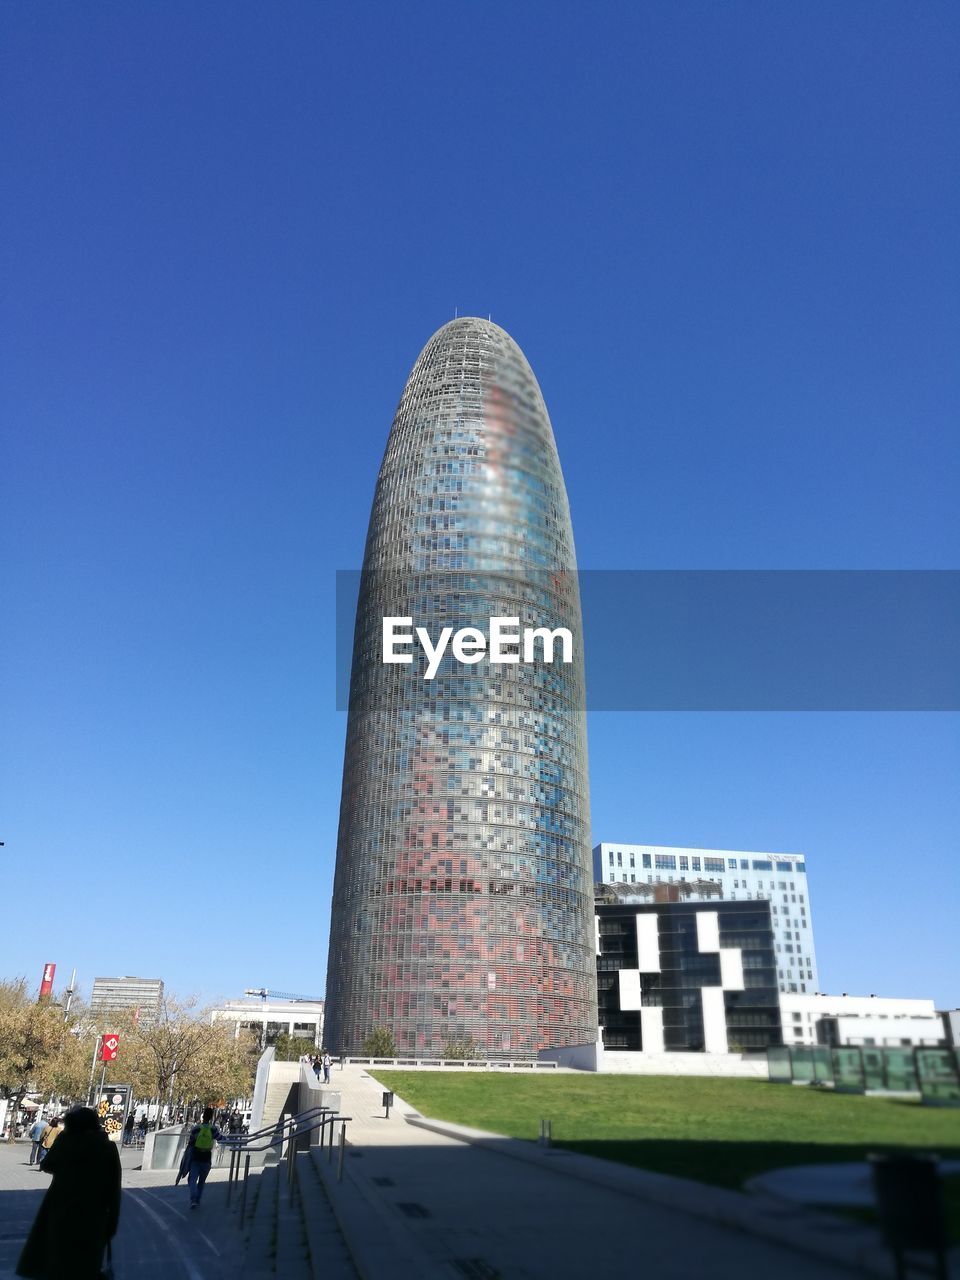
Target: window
x,y
665,862
801,867
784,866
611,857
732,864
762,864
684,864
803,986
713,864
736,884
744,864
632,862
798,1017
696,864
619,858
646,859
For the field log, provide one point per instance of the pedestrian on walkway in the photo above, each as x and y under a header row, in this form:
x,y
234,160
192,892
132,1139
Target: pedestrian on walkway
x,y
78,1216
128,1130
50,1135
199,1154
317,1065
36,1133
326,1067
142,1126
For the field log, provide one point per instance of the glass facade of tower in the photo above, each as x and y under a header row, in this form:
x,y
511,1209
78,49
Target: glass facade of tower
x,y
463,891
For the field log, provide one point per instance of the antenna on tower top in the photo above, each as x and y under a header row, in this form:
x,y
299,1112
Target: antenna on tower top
x,y
456,312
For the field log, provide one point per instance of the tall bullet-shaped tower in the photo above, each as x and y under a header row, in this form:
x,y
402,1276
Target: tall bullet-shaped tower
x,y
463,903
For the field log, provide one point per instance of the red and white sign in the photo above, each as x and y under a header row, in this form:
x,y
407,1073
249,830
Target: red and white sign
x,y
46,986
109,1047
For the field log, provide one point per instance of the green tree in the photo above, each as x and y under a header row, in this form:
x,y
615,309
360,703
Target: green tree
x,y
290,1048
42,1048
380,1043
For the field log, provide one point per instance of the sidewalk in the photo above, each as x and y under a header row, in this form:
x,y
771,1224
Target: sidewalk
x,y
159,1238
484,1205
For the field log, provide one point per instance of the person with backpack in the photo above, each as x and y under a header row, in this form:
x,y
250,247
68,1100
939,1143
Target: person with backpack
x,y
199,1154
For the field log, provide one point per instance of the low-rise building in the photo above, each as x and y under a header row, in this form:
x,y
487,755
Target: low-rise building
x,y
268,1019
866,1021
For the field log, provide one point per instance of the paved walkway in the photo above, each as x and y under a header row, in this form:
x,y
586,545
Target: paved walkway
x,y
159,1237
485,1214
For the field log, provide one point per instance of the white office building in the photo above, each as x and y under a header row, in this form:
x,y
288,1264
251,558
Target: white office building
x,y
880,1022
268,1019
142,996
731,874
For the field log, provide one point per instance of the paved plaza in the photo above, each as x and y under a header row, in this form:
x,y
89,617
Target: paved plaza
x,y
417,1203
159,1238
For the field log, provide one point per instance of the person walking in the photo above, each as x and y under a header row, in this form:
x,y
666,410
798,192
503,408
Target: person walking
x,y
50,1135
142,1127
128,1130
79,1213
326,1067
36,1133
199,1154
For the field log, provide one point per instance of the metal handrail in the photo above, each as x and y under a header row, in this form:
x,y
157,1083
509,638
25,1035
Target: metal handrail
x,y
241,1139
297,1130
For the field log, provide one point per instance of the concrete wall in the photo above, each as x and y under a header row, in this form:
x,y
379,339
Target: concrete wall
x,y
260,1089
579,1057
683,1064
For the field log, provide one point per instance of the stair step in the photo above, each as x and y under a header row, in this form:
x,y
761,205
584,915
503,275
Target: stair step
x,y
292,1256
260,1257
329,1256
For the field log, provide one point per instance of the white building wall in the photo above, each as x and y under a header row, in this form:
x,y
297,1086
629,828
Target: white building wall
x,y
651,1028
801,1013
714,1020
648,943
780,878
629,990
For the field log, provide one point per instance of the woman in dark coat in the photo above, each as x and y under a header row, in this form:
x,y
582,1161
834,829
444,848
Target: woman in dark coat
x,y
79,1213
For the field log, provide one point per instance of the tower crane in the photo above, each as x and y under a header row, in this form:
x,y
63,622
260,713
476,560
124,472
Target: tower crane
x,y
266,994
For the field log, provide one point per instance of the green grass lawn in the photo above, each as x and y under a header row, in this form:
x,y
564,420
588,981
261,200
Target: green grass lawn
x,y
713,1130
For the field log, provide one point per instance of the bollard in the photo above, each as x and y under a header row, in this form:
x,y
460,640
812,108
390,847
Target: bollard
x,y
387,1103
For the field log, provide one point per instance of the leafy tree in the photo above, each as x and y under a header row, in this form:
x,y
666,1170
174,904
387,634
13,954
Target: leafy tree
x,y
42,1048
467,1048
290,1048
380,1043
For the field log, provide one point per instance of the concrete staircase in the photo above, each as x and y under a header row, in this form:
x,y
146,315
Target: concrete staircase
x,y
282,1092
291,1231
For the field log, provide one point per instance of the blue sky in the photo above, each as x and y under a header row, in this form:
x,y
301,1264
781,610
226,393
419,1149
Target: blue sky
x,y
725,237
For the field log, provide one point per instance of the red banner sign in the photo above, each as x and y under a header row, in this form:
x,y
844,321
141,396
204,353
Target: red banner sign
x,y
109,1046
46,986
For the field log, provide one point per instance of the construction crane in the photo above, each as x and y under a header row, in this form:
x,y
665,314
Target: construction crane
x,y
266,994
